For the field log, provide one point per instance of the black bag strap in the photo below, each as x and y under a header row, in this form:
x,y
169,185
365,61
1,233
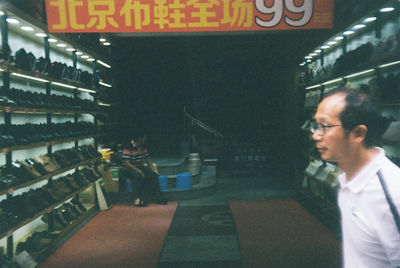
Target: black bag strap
x,y
389,200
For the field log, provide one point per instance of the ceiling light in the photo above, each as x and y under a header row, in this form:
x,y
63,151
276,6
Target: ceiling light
x,y
106,43
389,64
84,56
52,40
41,34
104,104
386,9
104,84
79,53
86,90
314,86
62,85
61,45
337,38
309,60
1,13
318,51
12,21
90,59
104,64
332,43
308,57
30,77
370,19
358,26
70,49
348,32
27,28
332,81
360,73
102,40
313,54
302,64
325,47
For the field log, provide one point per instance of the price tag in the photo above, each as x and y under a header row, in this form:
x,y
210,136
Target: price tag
x,y
10,191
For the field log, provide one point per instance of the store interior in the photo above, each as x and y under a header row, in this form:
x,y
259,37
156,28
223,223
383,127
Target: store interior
x,y
231,109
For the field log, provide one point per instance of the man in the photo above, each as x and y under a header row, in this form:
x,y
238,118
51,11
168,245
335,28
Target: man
x,y
346,126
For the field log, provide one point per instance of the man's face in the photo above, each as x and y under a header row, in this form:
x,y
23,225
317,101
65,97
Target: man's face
x,y
334,145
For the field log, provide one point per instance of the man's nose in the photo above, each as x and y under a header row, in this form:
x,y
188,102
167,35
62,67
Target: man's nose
x,y
317,135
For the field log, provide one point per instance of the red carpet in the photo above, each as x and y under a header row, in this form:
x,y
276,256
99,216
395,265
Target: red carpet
x,y
124,236
281,233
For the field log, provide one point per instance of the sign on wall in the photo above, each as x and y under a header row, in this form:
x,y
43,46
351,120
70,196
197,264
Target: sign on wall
x,y
187,15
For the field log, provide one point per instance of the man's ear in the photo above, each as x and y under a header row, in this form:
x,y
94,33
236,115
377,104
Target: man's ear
x,y
360,132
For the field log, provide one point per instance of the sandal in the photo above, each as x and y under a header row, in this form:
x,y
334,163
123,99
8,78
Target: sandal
x,y
143,203
136,202
140,202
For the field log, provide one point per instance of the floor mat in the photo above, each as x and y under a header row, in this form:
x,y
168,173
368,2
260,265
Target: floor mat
x,y
124,236
202,220
201,236
281,233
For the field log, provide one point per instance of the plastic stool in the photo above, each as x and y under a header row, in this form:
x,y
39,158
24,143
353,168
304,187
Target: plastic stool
x,y
163,180
184,181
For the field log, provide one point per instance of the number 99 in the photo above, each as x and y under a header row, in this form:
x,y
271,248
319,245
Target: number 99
x,y
277,10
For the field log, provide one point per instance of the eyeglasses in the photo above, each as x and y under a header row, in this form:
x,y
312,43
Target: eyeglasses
x,y
320,127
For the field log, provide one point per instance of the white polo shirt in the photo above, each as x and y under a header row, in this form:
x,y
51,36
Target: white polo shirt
x,y
370,236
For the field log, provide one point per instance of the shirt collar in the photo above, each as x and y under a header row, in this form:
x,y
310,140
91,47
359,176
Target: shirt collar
x,y
364,176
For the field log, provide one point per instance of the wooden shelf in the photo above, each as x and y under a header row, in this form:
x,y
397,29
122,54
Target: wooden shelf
x,y
5,150
30,110
12,69
48,176
7,6
66,233
37,215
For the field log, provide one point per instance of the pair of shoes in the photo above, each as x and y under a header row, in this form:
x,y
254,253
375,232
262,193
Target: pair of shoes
x,y
140,202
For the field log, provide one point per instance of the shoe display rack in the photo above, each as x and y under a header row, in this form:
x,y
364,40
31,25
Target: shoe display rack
x,y
365,55
51,103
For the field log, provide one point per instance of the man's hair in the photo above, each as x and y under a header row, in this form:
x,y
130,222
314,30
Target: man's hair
x,y
360,110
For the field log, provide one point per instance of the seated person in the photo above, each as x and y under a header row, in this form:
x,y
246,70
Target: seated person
x,y
146,187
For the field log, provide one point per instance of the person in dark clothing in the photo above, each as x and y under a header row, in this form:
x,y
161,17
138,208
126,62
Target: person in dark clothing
x,y
146,186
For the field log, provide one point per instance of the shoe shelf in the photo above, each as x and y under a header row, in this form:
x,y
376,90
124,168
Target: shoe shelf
x,y
382,104
6,150
321,189
30,110
327,212
47,210
48,176
14,11
390,103
64,235
64,83
372,70
369,69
